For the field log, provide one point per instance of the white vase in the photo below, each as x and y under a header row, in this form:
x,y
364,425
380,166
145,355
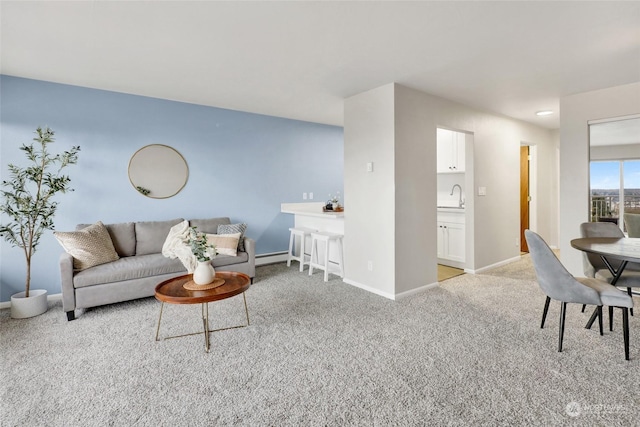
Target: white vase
x,y
35,305
204,273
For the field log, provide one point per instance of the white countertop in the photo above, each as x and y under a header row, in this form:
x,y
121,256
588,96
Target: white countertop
x,y
450,209
309,209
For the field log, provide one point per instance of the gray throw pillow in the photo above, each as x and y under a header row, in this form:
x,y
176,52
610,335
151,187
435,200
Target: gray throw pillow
x,y
233,229
209,225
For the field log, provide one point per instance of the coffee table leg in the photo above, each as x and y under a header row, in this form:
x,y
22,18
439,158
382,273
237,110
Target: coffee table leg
x,y
246,310
205,324
205,321
159,319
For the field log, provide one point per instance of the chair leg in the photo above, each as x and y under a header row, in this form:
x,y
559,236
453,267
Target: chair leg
x,y
563,312
583,307
544,312
610,318
600,319
625,328
631,295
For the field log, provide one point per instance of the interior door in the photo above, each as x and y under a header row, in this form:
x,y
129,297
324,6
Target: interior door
x,y
524,195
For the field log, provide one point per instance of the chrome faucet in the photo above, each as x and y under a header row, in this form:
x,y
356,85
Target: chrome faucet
x,y
460,201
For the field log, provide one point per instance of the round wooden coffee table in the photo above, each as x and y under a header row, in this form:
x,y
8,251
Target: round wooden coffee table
x,y
172,291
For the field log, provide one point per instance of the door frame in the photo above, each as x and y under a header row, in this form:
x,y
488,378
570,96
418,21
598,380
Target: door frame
x,y
533,186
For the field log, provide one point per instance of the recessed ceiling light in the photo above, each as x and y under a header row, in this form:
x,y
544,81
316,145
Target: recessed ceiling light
x,y
544,113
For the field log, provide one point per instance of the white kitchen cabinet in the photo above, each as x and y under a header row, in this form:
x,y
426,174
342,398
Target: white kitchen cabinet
x,y
450,151
451,237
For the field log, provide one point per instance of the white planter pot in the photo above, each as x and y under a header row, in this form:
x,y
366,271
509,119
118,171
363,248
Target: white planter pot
x,y
35,305
204,273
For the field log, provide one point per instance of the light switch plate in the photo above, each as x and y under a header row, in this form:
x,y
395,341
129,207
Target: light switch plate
x,y
482,191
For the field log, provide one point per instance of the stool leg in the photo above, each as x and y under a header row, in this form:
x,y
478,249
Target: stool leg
x,y
291,241
302,244
326,261
340,257
314,249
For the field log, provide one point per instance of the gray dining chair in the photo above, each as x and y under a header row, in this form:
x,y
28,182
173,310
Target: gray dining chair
x,y
558,284
632,223
594,266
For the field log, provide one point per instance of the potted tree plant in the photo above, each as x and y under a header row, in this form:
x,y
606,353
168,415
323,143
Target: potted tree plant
x,y
27,201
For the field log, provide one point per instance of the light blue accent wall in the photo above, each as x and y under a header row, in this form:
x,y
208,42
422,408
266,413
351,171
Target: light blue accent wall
x,y
241,165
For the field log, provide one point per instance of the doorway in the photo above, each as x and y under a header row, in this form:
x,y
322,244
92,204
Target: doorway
x,y
525,197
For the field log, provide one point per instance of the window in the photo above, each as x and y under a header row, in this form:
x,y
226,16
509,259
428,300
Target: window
x,y
615,189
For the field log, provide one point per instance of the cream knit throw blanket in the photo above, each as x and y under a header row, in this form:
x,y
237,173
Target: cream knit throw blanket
x,y
175,246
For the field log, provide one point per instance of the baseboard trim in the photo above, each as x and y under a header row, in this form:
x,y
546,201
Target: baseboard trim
x,y
394,297
411,292
369,289
489,267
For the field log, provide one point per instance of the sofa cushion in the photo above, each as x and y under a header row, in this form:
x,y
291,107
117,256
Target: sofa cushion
x,y
89,247
232,229
222,260
123,236
209,226
150,235
226,244
128,268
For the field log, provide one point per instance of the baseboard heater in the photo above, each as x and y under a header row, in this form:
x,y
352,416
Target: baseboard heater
x,y
271,258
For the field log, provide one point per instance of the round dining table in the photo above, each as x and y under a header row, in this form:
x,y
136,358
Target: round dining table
x,y
623,249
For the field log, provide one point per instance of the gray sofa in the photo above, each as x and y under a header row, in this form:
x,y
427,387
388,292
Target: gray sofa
x,y
141,265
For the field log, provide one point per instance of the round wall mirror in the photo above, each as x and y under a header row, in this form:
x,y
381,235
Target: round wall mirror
x,y
158,171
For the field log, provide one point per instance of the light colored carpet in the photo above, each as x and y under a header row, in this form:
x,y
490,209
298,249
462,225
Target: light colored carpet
x,y
469,352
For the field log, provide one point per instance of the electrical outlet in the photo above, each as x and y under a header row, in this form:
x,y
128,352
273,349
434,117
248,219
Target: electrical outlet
x,y
304,196
370,265
310,196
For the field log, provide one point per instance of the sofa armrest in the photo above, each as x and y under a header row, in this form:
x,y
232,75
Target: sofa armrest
x,y
250,249
66,281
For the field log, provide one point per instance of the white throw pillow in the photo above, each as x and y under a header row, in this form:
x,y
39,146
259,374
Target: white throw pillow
x,y
226,244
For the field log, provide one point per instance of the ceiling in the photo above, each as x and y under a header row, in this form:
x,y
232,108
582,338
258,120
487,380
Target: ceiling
x,y
300,59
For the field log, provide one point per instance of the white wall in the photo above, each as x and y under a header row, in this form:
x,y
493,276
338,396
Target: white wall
x,y
576,111
416,191
411,185
496,166
369,219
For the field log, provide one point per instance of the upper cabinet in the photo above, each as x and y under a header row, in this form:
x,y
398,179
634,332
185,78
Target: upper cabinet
x,y
451,151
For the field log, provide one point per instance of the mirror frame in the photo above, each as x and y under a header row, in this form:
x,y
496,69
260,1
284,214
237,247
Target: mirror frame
x,y
158,171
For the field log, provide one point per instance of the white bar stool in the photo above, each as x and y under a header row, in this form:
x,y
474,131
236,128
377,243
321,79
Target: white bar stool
x,y
326,237
301,232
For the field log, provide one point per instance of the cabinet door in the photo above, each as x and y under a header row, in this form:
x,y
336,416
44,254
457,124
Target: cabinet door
x,y
441,240
454,246
459,147
444,146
